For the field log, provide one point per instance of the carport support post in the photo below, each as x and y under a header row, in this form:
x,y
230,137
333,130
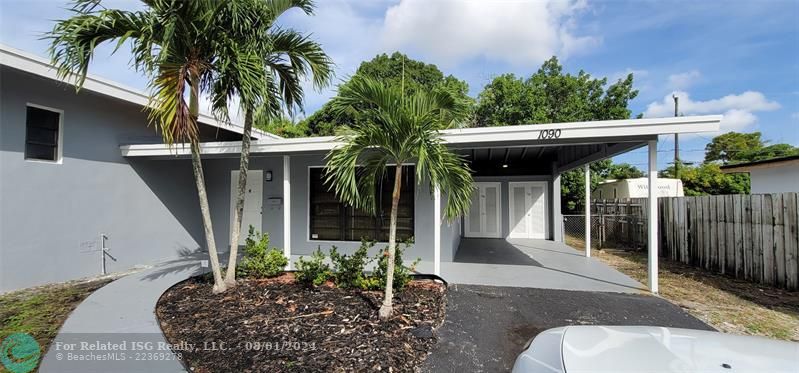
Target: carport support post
x,y
287,209
557,215
652,218
587,210
437,231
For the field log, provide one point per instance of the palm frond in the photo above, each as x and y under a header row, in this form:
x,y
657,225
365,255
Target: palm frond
x,y
278,7
304,54
169,109
397,131
73,41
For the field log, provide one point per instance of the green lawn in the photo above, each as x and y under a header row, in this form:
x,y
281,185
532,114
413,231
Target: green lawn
x,y
727,304
41,311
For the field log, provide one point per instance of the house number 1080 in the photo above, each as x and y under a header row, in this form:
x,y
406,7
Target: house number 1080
x,y
549,134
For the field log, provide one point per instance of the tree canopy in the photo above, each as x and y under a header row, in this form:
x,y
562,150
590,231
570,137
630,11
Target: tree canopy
x,y
735,147
550,96
572,183
624,171
389,70
281,126
707,179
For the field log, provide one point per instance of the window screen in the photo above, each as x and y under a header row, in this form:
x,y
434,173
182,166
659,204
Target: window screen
x,y
41,134
332,220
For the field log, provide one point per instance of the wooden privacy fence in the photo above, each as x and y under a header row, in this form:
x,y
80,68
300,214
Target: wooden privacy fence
x,y
753,237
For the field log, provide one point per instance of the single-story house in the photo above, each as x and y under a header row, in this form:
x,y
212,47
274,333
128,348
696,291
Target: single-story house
x,y
776,175
77,165
637,188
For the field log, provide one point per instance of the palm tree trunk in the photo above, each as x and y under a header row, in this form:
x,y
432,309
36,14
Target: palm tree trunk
x,y
244,163
199,179
387,308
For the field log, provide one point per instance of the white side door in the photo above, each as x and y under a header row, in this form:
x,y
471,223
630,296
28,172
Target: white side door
x,y
485,213
527,210
253,201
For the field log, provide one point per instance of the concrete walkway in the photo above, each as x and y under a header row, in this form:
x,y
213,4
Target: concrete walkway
x,y
115,329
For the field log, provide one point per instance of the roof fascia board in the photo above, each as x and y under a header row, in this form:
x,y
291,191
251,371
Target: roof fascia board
x,y
761,165
625,131
622,128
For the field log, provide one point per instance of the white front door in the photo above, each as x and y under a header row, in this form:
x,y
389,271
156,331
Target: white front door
x,y
253,201
484,215
527,210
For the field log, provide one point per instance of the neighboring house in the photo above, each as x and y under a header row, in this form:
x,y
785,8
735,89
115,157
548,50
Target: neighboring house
x,y
91,165
636,188
776,175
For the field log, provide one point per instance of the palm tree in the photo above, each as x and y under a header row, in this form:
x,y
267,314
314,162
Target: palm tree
x,y
397,130
288,58
199,46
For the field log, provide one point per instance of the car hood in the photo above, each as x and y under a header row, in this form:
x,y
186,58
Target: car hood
x,y
645,349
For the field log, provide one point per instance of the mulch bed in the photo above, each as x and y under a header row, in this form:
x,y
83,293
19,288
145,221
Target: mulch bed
x,y
278,325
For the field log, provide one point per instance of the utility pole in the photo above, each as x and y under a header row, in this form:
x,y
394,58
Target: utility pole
x,y
676,140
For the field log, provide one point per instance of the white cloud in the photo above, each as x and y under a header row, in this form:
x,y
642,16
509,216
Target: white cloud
x,y
737,109
637,74
683,80
519,32
737,120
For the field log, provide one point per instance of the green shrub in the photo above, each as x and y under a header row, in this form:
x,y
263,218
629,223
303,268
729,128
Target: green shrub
x,y
402,273
314,271
260,261
348,269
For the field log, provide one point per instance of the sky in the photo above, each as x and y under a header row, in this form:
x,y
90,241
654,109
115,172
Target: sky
x,y
736,58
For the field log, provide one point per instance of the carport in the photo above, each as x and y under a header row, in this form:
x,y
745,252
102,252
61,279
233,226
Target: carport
x,y
513,232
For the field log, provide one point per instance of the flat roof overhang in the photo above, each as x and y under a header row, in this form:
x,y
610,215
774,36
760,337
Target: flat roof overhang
x,y
583,142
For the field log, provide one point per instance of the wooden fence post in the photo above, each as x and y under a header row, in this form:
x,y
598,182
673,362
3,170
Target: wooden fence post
x,y
768,239
791,220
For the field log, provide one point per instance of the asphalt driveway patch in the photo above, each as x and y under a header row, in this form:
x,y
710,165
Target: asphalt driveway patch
x,y
486,327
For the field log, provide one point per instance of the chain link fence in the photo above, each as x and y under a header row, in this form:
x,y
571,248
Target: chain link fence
x,y
607,231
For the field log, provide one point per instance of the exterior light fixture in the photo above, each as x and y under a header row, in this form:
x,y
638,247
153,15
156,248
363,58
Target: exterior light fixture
x,y
504,166
268,175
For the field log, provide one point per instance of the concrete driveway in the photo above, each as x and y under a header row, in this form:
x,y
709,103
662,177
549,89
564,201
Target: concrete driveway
x,y
486,326
532,263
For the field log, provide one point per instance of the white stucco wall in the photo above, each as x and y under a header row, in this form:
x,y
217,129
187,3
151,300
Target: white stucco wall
x,y
777,179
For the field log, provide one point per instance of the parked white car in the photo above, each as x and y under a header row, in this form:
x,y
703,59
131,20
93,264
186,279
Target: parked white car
x,y
653,349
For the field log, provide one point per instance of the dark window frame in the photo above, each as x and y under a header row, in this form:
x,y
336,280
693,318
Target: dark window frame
x,y
346,217
34,134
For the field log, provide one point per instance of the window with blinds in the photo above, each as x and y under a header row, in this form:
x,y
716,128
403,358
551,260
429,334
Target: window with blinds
x,y
332,220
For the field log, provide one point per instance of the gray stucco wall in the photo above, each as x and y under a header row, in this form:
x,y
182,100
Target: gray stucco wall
x,y
450,234
218,173
50,214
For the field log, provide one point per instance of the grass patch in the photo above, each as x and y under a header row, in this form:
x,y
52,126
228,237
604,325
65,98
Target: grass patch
x,y
727,304
41,311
